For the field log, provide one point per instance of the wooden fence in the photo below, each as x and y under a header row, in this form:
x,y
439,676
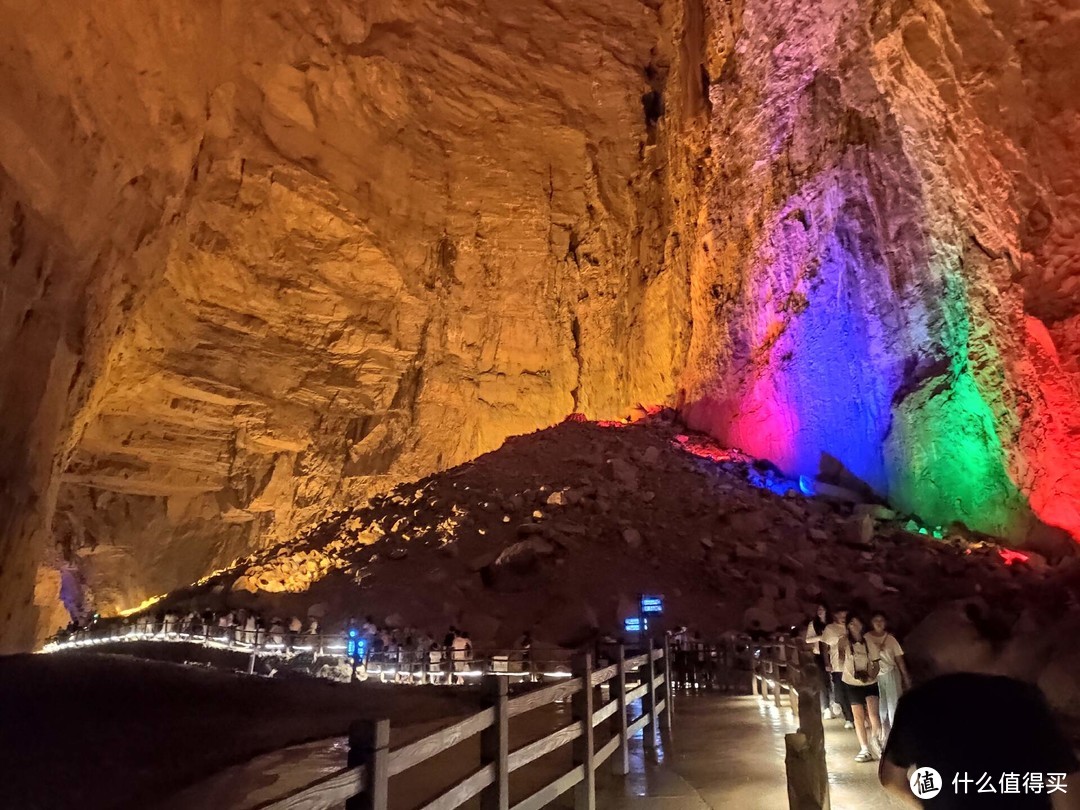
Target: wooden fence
x,y
785,668
365,781
437,665
776,670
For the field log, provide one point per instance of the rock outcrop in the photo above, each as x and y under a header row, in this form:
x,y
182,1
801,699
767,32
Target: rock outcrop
x,y
266,261
885,285
260,263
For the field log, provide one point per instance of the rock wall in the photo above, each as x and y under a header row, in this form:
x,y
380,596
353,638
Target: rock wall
x,y
268,259
887,289
262,261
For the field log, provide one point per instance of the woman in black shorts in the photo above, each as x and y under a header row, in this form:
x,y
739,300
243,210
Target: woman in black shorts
x,y
859,680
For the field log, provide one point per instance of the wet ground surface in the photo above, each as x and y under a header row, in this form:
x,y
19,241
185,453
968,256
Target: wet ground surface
x,y
725,753
728,753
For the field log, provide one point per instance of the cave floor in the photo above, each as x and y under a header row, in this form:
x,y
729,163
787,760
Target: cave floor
x,y
728,752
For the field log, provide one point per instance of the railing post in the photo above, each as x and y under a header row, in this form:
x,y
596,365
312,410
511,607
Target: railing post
x,y
755,675
581,707
669,693
793,677
777,680
648,703
369,746
620,763
495,746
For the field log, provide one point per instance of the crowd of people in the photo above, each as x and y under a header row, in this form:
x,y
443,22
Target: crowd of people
x,y
862,671
407,653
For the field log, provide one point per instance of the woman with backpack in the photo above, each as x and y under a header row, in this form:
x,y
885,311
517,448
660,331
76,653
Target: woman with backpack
x,y
893,678
860,671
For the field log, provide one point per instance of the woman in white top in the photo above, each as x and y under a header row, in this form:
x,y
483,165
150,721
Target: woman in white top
x,y
893,679
814,628
859,680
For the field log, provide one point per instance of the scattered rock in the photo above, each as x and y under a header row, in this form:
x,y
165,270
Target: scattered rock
x,y
632,538
859,532
835,493
623,472
524,555
790,563
874,510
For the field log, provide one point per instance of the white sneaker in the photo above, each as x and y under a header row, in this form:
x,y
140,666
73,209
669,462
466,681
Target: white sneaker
x,y
848,724
865,756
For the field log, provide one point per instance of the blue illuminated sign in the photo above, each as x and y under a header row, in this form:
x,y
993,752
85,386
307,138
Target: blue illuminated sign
x,y
357,647
652,604
633,625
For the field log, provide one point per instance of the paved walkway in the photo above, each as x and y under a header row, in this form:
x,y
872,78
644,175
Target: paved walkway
x,y
727,753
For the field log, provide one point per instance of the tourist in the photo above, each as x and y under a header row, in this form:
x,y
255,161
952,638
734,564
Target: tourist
x,y
369,629
893,678
277,632
250,625
859,677
968,725
459,648
295,628
680,658
312,626
814,628
831,637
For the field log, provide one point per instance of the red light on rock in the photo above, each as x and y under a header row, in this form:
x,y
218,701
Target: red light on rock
x,y
1009,556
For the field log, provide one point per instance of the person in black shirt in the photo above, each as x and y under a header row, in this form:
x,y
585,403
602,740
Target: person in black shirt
x,y
992,740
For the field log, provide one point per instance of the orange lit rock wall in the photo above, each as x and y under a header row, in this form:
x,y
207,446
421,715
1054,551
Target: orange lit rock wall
x,y
262,259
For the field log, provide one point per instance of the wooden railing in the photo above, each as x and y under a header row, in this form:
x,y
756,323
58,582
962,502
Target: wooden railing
x,y
364,782
785,665
776,670
437,665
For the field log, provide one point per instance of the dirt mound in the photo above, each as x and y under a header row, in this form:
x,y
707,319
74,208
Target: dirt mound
x,y
561,530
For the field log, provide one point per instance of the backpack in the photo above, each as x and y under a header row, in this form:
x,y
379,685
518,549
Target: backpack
x,y
873,665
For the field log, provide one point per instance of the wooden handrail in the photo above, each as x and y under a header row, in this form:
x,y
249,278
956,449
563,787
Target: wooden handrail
x,y
545,745
372,764
329,791
604,712
540,697
463,790
551,791
603,675
416,752
636,661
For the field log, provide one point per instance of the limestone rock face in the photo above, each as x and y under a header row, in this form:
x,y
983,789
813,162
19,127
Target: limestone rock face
x,y
885,281
261,261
